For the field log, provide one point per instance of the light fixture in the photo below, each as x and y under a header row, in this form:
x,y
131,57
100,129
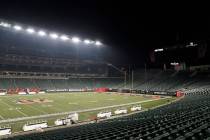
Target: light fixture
x,y
86,41
98,43
192,44
17,27
158,50
53,35
75,39
4,24
41,33
174,63
64,37
30,30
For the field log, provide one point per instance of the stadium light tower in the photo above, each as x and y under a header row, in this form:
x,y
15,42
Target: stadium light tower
x,y
39,32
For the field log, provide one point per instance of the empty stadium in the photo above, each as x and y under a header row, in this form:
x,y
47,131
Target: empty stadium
x,y
61,84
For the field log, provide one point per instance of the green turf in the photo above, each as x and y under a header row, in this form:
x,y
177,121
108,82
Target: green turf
x,y
62,102
65,102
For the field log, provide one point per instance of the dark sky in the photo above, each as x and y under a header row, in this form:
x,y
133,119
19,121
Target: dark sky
x,y
132,29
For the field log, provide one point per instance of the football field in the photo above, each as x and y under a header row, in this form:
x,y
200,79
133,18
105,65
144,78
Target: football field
x,y
87,104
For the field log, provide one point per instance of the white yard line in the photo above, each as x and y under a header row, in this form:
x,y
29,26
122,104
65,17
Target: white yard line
x,y
59,106
110,99
34,108
2,117
37,109
92,101
15,109
73,103
78,111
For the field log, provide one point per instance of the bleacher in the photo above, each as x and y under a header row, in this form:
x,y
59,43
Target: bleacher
x,y
150,80
56,84
169,80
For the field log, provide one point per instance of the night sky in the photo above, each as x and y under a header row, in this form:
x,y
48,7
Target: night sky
x,y
130,30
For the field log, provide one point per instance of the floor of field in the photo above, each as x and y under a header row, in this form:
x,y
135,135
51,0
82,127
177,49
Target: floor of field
x,y
67,102
61,102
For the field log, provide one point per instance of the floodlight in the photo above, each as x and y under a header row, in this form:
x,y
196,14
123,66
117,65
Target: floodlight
x,y
98,43
191,44
41,33
64,37
174,63
4,24
87,41
158,50
17,27
30,30
53,35
75,39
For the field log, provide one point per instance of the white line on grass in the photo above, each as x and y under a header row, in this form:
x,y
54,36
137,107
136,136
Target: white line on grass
x,y
37,109
78,111
33,108
73,103
2,117
15,109
57,108
92,101
110,99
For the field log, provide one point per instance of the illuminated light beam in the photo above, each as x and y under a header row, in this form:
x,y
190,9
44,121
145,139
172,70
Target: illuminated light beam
x,y
159,50
30,30
174,63
41,33
98,43
86,41
191,45
53,35
17,27
64,37
4,24
75,39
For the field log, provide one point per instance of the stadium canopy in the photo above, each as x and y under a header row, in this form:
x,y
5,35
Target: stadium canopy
x,y
44,33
